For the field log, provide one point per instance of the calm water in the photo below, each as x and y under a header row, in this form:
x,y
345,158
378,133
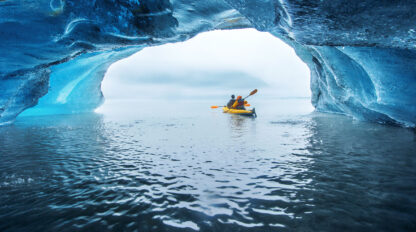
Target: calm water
x,y
157,167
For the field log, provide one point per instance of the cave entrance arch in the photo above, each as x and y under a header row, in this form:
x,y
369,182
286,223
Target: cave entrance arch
x,y
210,65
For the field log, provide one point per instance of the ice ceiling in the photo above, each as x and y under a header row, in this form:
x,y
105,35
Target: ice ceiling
x,y
361,53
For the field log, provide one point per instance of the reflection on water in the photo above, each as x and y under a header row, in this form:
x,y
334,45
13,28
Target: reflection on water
x,y
241,125
147,170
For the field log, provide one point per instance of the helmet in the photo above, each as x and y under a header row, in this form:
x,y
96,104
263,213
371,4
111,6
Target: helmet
x,y
232,96
239,97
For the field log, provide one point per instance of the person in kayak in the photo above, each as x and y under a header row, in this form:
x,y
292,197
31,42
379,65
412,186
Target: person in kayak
x,y
238,104
231,101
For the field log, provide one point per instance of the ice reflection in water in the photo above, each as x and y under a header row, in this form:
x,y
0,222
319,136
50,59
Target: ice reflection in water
x,y
203,170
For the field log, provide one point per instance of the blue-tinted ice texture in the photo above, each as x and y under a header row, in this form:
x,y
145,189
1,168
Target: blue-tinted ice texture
x,y
75,86
361,53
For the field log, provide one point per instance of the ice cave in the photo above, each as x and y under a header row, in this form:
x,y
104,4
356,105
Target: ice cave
x,y
361,54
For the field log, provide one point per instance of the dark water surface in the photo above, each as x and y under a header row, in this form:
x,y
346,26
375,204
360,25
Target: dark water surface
x,y
152,167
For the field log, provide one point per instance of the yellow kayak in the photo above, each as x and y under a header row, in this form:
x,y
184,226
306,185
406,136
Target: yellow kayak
x,y
239,112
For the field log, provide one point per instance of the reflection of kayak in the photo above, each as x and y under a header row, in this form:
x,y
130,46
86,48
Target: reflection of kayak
x,y
240,112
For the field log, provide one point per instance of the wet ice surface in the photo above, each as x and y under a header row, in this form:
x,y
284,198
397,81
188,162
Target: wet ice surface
x,y
157,167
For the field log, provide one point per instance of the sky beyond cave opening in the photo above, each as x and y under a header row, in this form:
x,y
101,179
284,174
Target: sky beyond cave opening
x,y
211,65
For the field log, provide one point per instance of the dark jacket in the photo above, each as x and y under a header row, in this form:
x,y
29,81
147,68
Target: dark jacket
x,y
230,103
240,104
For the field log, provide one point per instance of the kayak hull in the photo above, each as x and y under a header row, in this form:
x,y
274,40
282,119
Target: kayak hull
x,y
251,113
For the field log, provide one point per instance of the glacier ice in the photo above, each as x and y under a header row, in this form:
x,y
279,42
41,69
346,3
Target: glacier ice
x,y
361,53
75,85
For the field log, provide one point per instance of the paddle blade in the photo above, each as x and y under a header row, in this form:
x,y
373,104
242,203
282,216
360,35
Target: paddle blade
x,y
214,107
246,104
253,92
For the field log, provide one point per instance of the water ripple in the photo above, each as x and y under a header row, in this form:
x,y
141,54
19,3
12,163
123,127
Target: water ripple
x,y
164,175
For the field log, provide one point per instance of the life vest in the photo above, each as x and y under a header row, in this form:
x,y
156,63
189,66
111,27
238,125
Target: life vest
x,y
238,104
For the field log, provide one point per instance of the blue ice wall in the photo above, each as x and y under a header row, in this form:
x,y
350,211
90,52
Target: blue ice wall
x,y
44,38
18,92
75,86
361,53
375,84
